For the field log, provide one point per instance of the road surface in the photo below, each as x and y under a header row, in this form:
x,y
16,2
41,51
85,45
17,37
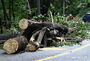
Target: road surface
x,y
65,53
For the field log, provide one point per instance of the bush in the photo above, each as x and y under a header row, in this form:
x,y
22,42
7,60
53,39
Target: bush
x,y
77,36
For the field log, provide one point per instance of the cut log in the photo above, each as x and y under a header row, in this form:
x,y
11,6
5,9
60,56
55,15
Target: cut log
x,y
7,36
35,26
40,37
33,38
31,47
62,39
4,37
35,41
31,30
14,45
24,23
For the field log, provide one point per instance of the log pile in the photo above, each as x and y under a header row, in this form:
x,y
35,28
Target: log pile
x,y
35,35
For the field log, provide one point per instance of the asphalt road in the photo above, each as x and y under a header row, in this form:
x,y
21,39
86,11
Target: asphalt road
x,y
65,53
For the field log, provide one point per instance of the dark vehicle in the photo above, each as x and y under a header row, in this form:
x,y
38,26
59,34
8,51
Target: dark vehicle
x,y
86,18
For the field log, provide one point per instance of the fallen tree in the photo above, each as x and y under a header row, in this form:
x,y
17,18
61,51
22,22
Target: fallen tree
x,y
25,24
37,34
35,26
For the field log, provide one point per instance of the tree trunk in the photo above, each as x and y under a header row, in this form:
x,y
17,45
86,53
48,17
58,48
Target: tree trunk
x,y
45,4
31,46
13,9
0,25
25,23
35,40
7,36
4,10
38,7
35,26
9,22
14,45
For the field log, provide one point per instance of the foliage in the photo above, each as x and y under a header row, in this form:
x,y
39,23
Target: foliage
x,y
12,30
38,17
79,35
81,28
1,46
56,6
75,7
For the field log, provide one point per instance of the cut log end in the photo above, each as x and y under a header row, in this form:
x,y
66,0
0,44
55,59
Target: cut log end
x,y
23,24
15,45
31,47
10,46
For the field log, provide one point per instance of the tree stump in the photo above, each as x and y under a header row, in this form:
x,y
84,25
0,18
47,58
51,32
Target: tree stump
x,y
14,45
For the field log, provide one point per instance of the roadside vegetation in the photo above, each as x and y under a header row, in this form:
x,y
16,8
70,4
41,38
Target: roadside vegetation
x,y
80,33
78,36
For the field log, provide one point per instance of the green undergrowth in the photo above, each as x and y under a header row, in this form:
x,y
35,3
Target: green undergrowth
x,y
1,46
79,35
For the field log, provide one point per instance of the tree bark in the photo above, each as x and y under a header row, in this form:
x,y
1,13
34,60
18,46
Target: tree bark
x,y
7,36
38,7
14,45
45,4
4,10
0,25
35,40
35,26
13,9
25,23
